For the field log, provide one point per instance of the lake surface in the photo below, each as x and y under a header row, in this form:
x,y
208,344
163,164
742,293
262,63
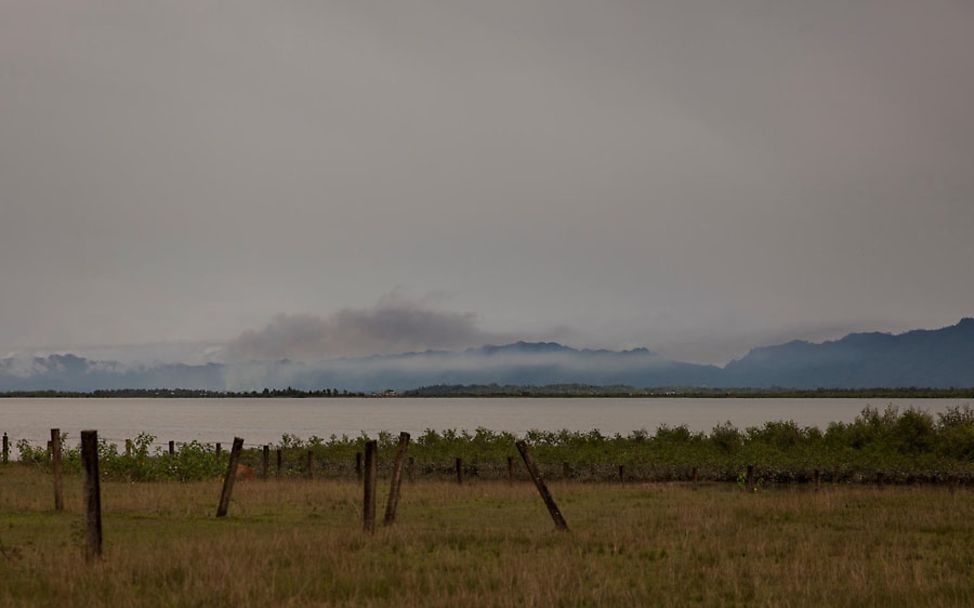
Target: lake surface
x,y
261,421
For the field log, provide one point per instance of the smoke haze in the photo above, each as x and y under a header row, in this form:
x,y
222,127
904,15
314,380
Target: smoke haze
x,y
394,325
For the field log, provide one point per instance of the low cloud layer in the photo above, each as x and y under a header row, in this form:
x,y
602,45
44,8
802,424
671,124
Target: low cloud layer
x,y
394,325
928,358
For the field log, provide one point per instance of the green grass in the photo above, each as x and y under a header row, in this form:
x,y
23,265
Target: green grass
x,y
299,543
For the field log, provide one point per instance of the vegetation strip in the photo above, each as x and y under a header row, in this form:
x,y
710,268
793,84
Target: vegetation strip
x,y
893,446
495,390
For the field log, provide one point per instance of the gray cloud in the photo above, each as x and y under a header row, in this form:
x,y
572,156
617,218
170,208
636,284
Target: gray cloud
x,y
696,176
394,325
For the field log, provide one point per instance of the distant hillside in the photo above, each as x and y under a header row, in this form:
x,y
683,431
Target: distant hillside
x,y
520,363
71,373
582,390
940,358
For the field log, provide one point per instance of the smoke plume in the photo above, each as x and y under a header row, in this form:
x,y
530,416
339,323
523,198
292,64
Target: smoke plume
x,y
394,325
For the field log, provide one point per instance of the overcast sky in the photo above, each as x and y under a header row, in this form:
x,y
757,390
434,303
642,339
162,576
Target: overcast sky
x,y
697,177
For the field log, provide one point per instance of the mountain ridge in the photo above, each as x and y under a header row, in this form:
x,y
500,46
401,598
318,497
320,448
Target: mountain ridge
x,y
933,358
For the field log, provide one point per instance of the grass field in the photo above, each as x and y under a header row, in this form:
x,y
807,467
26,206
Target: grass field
x,y
299,543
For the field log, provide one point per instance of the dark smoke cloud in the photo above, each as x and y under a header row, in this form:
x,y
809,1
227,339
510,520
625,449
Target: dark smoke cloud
x,y
394,325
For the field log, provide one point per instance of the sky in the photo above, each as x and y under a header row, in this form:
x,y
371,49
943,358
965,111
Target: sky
x,y
198,179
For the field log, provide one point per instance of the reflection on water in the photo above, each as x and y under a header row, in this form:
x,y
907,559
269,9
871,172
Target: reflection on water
x,y
265,420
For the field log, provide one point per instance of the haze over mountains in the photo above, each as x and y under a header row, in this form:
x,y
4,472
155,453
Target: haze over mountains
x,y
925,358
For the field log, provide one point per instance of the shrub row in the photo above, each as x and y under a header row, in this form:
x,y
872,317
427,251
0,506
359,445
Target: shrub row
x,y
891,445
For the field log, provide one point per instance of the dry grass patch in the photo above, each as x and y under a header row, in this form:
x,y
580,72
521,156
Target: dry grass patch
x,y
299,543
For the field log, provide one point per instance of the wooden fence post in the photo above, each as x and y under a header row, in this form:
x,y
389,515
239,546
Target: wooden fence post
x,y
694,476
549,502
749,479
816,480
835,474
6,449
219,450
92,492
358,465
280,462
221,510
410,468
310,472
393,502
510,469
458,465
265,462
622,473
128,448
172,447
56,468
371,470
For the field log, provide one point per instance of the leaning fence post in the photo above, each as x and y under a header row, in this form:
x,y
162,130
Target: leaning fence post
x,y
458,465
371,470
221,510
393,502
57,469
92,494
6,449
549,502
265,462
749,478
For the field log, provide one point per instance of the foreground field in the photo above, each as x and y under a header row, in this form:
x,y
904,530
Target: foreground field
x,y
300,543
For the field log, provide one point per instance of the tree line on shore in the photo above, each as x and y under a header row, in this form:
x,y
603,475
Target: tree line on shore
x,y
513,390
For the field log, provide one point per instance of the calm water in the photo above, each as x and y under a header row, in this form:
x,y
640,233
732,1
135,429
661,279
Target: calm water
x,y
265,420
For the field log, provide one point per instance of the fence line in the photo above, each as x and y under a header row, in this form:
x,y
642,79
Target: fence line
x,y
462,470
368,474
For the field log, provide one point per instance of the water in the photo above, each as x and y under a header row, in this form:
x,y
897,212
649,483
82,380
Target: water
x,y
261,421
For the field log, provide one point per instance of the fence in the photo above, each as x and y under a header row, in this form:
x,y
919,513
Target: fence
x,y
146,459
301,462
